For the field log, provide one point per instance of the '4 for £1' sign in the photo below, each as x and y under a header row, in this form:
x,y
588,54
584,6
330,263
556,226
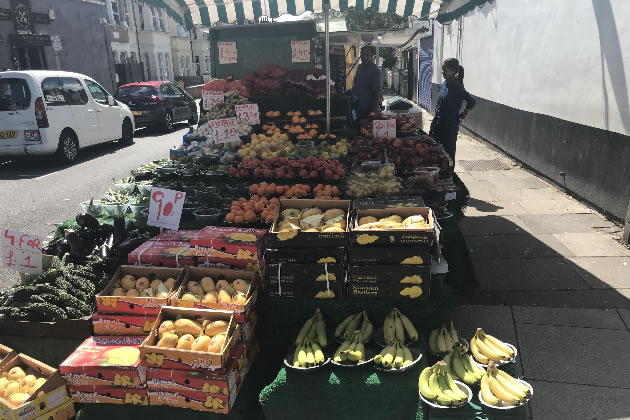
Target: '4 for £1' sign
x,y
21,251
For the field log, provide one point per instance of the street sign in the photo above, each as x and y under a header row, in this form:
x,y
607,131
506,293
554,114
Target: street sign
x,y
227,53
165,208
56,43
224,131
384,129
248,113
301,51
211,98
21,251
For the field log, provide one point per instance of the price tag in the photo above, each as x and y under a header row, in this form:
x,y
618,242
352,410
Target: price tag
x,y
211,98
21,251
450,196
384,129
227,53
301,51
248,113
165,208
224,131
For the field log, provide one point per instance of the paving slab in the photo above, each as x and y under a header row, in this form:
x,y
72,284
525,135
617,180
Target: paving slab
x,y
558,401
482,195
603,272
592,244
563,223
495,320
488,175
549,193
527,274
557,205
518,183
497,208
464,176
492,225
569,317
573,354
593,298
516,246
625,315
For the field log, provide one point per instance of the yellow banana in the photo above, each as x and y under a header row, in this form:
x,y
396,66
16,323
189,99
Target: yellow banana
x,y
423,384
453,333
441,344
367,328
446,389
310,356
453,386
305,329
352,325
489,351
340,354
302,356
399,358
433,342
319,354
341,328
513,380
487,395
407,356
441,397
321,331
501,393
296,362
476,353
411,330
388,359
400,330
489,339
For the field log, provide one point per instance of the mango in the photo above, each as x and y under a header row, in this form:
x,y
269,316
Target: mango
x,y
169,340
216,344
15,374
166,327
11,388
190,297
201,343
240,285
216,328
207,284
186,326
239,299
210,297
3,384
185,342
38,383
224,297
119,291
155,284
142,283
162,295
169,283
128,282
223,283
28,381
18,398
133,293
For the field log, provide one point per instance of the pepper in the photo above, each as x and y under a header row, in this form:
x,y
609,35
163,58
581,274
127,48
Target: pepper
x,y
87,221
78,250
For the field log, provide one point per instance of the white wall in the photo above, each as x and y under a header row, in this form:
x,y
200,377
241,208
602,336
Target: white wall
x,y
569,59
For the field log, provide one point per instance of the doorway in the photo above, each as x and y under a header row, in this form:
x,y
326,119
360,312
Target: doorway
x,y
31,58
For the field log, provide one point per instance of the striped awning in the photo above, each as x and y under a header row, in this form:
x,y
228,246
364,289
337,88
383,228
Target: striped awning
x,y
209,12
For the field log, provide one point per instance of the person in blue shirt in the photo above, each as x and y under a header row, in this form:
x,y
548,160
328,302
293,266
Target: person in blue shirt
x,y
448,110
367,84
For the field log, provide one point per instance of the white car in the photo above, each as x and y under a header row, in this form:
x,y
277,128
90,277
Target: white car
x,y
44,112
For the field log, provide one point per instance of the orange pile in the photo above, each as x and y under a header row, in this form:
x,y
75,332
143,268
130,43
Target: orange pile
x,y
247,211
327,192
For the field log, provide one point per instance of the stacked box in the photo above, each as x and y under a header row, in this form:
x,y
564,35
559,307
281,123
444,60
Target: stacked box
x,y
307,264
106,369
6,354
391,262
132,315
228,247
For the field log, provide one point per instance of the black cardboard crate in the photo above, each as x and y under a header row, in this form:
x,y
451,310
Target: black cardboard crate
x,y
304,290
300,239
373,289
305,273
305,255
399,274
387,203
395,237
420,255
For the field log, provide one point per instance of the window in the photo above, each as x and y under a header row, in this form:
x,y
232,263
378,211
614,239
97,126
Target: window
x,y
123,57
147,66
128,10
154,18
160,64
197,66
53,92
137,91
182,66
74,92
207,61
167,66
98,93
132,57
116,59
188,66
162,18
179,90
15,94
168,90
141,14
114,12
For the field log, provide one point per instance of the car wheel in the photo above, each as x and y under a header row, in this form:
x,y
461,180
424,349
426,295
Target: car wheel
x,y
68,150
168,121
127,133
194,119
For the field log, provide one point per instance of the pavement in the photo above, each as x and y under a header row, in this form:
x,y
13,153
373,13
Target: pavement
x,y
554,280
37,192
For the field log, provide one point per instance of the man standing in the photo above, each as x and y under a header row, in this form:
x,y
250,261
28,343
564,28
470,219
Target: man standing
x,y
367,84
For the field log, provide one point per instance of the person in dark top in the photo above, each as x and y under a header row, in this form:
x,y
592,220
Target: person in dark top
x,y
367,84
448,113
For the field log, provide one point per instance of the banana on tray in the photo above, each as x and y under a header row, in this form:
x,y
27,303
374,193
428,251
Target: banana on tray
x,y
486,348
436,384
396,325
441,340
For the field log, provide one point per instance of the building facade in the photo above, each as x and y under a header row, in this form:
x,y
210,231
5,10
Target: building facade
x,y
52,35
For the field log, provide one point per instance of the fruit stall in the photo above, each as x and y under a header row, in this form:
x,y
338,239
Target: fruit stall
x,y
300,258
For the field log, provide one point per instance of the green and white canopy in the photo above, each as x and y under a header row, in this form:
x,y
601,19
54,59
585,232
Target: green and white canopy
x,y
209,12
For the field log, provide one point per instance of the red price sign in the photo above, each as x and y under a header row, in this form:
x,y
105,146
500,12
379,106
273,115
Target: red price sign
x,y
165,208
21,251
227,53
248,113
224,131
301,51
211,98
384,129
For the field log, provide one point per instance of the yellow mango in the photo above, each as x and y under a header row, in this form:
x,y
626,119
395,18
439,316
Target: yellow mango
x,y
216,343
216,328
169,340
201,343
185,342
186,326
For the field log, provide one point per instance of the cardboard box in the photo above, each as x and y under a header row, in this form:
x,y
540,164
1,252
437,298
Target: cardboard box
x,y
228,264
105,362
54,389
312,289
233,247
175,236
420,255
305,255
309,239
153,356
387,203
197,273
395,237
109,395
6,354
215,237
121,324
106,303
403,274
163,254
294,275
65,411
389,290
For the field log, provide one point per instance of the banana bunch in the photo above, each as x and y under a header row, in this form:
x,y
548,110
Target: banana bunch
x,y
314,329
441,340
351,350
486,348
395,326
436,384
462,366
351,323
308,354
395,355
499,388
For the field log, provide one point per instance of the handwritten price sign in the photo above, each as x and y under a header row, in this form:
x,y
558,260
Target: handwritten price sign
x,y
248,113
301,51
224,131
227,53
211,98
165,208
384,129
21,251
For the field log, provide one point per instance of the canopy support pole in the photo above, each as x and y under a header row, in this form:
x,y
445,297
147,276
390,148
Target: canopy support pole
x,y
326,13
